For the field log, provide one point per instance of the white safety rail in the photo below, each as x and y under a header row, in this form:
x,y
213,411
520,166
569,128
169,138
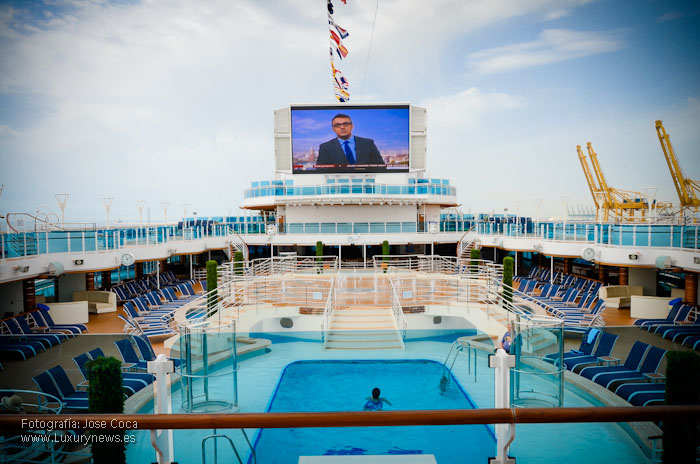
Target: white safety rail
x,y
328,313
435,264
277,282
295,264
399,316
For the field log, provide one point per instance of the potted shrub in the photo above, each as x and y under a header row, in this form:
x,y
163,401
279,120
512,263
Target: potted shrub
x,y
475,255
212,284
238,262
508,279
385,252
106,396
319,253
680,439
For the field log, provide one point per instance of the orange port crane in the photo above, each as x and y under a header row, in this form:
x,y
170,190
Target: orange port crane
x,y
688,190
616,204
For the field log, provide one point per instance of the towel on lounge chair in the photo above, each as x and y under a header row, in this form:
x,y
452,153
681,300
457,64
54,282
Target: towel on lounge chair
x,y
592,334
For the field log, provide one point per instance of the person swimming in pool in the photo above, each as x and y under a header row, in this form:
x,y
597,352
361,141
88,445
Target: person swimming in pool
x,y
375,402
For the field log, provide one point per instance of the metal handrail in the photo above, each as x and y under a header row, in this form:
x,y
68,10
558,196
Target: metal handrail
x,y
367,418
328,313
399,316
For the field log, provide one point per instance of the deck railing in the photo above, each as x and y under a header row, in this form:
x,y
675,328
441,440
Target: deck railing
x,y
361,418
90,238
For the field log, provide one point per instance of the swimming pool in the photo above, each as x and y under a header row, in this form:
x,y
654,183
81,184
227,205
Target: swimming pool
x,y
339,385
534,443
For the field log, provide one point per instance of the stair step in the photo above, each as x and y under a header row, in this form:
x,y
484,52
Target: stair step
x,y
361,333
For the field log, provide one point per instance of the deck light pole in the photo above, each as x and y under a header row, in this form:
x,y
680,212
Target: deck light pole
x,y
107,205
140,204
62,199
565,202
165,205
538,204
185,207
650,193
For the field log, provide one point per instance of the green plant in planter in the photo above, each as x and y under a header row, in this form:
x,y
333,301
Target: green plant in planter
x,y
508,279
238,263
106,396
319,260
475,255
680,439
212,284
385,252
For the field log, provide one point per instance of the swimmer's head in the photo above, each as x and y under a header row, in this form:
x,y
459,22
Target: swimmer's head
x,y
375,393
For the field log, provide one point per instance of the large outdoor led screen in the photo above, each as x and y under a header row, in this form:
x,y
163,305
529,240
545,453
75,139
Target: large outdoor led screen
x,y
350,139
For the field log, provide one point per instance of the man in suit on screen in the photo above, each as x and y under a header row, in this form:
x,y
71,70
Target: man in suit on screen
x,y
347,149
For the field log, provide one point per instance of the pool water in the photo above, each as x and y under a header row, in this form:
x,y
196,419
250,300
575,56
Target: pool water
x,y
345,385
260,376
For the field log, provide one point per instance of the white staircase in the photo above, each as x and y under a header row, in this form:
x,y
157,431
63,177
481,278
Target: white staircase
x,y
363,328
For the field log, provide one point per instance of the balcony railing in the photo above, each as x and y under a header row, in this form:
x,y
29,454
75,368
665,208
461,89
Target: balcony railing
x,y
350,189
634,235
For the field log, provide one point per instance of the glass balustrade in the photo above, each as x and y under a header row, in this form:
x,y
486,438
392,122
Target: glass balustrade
x,y
14,245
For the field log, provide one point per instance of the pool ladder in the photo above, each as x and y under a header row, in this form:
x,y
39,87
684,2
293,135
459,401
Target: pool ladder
x,y
214,436
459,346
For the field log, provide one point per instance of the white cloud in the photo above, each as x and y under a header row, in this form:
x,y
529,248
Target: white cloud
x,y
468,107
552,46
670,16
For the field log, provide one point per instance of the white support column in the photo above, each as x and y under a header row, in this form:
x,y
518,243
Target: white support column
x,y
502,362
162,440
551,269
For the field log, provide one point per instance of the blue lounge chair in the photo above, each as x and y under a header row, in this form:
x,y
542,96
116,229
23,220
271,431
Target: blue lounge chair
x,y
24,325
642,394
679,333
675,306
12,347
692,342
681,315
146,349
45,314
590,337
129,354
46,384
606,343
131,383
634,359
65,387
47,340
651,363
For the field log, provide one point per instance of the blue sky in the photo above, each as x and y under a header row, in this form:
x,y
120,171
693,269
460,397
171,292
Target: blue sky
x,y
165,101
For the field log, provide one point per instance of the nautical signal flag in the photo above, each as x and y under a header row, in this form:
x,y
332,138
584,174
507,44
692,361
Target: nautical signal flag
x,y
337,34
340,48
343,33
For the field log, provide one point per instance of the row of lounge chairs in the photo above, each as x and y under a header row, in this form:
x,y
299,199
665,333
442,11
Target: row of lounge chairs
x,y
678,326
29,334
129,290
55,381
538,276
151,314
577,305
626,380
